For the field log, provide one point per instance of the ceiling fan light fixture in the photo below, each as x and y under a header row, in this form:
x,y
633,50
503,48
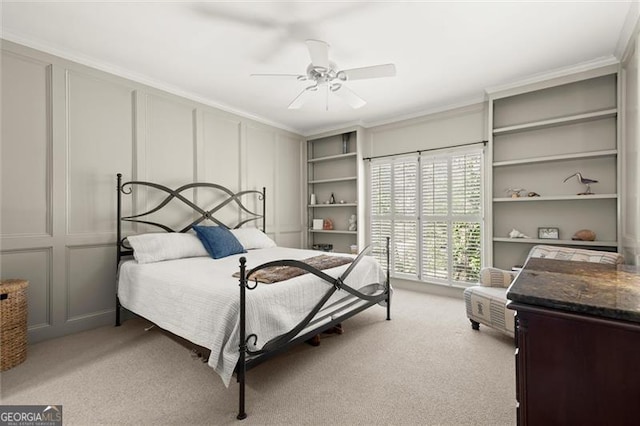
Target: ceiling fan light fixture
x,y
322,71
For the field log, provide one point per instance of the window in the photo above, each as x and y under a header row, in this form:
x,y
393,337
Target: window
x,y
431,207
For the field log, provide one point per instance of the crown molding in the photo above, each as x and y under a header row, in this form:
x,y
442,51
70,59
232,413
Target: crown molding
x,y
472,104
339,128
629,29
469,105
594,65
347,128
139,78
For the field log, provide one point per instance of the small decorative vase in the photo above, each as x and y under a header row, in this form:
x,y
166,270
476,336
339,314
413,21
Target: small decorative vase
x,y
345,143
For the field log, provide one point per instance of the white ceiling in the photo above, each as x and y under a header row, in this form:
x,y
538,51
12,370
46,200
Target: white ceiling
x,y
446,53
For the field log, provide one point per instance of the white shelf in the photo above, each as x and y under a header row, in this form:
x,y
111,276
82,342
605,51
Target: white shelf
x,y
561,157
556,198
344,179
556,242
333,205
571,119
332,231
332,157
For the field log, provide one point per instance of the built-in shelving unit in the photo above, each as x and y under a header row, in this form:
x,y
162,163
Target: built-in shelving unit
x,y
319,206
563,157
556,242
555,198
334,166
332,157
560,121
333,180
333,231
540,135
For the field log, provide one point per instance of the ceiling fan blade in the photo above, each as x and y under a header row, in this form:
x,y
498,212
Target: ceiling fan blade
x,y
319,53
349,97
302,97
374,71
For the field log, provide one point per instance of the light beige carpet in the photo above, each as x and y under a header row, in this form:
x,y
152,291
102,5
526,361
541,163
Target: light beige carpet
x,y
425,366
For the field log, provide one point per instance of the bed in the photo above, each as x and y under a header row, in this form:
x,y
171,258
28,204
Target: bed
x,y
278,297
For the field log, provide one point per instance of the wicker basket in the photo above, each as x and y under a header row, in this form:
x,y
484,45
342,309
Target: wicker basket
x,y
13,323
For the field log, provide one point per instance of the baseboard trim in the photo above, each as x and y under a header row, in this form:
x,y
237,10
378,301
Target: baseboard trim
x,y
423,287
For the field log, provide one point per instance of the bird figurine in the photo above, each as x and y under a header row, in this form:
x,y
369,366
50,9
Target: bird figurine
x,y
514,192
584,181
517,234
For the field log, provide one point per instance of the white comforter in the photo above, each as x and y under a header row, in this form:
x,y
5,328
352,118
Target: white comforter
x,y
198,299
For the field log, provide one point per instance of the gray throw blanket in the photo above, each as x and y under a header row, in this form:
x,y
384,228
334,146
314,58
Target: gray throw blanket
x,y
274,274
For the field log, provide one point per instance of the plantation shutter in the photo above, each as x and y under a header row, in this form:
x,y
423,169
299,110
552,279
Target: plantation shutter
x,y
380,209
435,249
466,206
431,207
435,210
405,215
465,184
435,186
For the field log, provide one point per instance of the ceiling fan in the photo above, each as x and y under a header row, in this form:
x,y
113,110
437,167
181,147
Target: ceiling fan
x,y
325,75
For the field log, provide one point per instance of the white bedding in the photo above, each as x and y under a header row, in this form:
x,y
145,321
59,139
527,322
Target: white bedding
x,y
198,299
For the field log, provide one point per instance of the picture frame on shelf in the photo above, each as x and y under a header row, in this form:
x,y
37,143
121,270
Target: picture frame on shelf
x,y
548,233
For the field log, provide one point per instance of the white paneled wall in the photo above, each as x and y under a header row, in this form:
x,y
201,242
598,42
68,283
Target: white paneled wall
x,y
26,121
260,144
219,159
289,207
67,130
221,138
99,115
34,264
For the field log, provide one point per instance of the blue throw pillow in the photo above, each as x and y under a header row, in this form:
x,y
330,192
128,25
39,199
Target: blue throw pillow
x,y
218,241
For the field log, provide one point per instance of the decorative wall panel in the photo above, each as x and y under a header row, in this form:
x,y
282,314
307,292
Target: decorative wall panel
x,y
288,199
100,144
91,277
220,160
26,146
260,167
170,152
33,265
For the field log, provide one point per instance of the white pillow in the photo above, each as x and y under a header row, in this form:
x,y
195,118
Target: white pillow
x,y
253,238
149,248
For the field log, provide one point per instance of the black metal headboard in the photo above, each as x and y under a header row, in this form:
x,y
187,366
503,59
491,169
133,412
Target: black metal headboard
x,y
126,188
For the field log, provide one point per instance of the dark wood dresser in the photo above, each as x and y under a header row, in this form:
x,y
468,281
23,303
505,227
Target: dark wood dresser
x,y
577,343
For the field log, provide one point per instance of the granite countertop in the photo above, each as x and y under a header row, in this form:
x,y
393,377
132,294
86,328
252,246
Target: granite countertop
x,y
582,287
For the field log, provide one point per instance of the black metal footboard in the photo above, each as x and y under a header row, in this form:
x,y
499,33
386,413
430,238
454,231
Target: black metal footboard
x,y
292,337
